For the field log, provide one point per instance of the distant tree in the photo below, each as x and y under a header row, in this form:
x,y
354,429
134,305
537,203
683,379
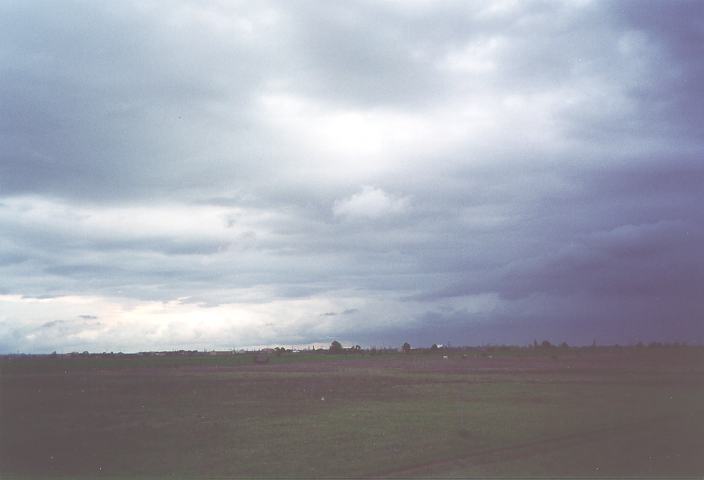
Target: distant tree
x,y
546,344
434,347
356,349
406,347
335,347
564,346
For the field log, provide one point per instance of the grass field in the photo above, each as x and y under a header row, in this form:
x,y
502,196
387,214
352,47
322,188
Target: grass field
x,y
600,413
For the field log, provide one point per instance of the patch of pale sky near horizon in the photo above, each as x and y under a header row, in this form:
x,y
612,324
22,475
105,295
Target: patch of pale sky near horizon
x,y
68,323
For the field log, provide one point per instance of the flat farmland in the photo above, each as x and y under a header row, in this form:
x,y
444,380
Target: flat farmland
x,y
617,412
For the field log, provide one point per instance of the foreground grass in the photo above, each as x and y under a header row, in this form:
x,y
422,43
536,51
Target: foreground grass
x,y
384,416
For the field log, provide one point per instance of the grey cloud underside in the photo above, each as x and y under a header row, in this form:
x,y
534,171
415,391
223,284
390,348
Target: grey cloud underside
x,y
135,108
593,231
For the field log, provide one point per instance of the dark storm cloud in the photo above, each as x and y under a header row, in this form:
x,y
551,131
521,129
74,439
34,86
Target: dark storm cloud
x,y
484,172
631,260
677,27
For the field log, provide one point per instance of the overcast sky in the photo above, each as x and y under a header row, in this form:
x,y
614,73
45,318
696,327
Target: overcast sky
x,y
186,174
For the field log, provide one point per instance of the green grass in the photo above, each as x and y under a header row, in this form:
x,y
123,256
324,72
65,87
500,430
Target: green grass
x,y
378,416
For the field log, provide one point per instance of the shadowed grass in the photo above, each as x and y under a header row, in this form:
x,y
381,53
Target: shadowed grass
x,y
393,416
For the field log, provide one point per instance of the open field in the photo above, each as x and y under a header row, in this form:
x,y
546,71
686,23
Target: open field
x,y
606,412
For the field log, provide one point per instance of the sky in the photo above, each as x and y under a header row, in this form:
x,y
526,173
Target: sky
x,y
224,174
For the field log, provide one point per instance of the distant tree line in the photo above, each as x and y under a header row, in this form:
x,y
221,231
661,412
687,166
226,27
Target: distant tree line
x,y
335,348
545,346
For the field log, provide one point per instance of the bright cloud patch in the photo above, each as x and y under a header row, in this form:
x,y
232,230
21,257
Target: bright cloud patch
x,y
370,202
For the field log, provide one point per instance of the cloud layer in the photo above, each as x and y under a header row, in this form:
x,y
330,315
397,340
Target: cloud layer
x,y
183,175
